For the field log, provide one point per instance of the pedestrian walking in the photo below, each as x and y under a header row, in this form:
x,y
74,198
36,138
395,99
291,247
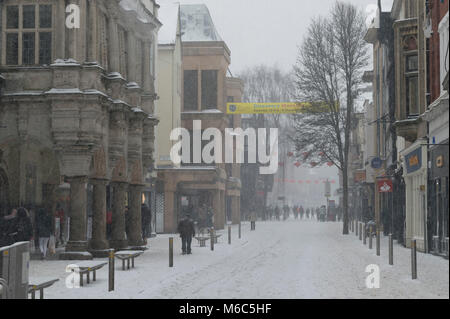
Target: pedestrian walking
x,y
20,228
43,230
186,229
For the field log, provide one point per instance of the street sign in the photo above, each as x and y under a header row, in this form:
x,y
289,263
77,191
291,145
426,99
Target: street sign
x,y
376,163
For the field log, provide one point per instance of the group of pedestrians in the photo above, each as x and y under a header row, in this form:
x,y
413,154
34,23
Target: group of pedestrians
x,y
18,227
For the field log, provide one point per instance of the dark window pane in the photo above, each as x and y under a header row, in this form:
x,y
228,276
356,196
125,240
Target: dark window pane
x,y
45,16
12,17
29,17
191,90
412,63
45,48
28,45
412,95
12,49
209,89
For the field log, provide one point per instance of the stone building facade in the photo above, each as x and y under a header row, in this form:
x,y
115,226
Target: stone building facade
x,y
76,113
194,187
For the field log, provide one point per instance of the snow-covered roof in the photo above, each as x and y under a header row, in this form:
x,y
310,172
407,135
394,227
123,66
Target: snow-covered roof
x,y
168,15
136,6
197,24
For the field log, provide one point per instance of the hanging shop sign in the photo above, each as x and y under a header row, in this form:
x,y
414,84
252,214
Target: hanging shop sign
x,y
413,161
385,186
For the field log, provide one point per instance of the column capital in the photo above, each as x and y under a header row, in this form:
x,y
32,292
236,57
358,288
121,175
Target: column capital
x,y
120,185
76,179
98,181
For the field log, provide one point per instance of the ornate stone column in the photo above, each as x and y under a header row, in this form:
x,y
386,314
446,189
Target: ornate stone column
x,y
118,240
134,234
77,245
99,241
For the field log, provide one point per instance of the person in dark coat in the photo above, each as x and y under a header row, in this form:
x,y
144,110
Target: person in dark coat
x,y
186,229
21,228
44,230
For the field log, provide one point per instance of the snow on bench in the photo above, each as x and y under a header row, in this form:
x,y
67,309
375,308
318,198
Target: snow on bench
x,y
202,241
126,255
85,268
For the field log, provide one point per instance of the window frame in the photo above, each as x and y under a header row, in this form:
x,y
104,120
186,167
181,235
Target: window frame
x,y
37,30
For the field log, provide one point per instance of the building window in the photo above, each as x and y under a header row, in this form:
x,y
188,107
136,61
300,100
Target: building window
x,y
28,46
191,90
209,89
412,85
12,16
29,17
27,41
12,49
45,48
45,16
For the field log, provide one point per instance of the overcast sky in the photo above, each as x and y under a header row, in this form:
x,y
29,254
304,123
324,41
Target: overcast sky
x,y
268,31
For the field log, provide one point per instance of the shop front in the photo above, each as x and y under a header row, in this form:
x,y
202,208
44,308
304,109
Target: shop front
x,y
438,203
415,161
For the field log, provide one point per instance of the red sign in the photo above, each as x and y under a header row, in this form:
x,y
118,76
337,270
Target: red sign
x,y
385,186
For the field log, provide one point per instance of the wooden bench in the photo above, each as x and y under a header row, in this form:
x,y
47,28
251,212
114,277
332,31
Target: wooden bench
x,y
202,241
127,255
32,288
86,267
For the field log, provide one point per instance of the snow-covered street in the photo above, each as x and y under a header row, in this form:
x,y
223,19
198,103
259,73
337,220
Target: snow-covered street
x,y
292,259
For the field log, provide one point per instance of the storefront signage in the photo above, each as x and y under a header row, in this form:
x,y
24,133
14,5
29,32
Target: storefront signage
x,y
414,161
440,161
385,186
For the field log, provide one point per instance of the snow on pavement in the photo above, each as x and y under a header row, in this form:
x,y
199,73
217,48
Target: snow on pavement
x,y
292,259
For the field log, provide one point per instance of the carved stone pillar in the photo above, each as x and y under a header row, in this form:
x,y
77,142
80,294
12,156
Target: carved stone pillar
x,y
134,234
99,241
77,245
118,240
113,45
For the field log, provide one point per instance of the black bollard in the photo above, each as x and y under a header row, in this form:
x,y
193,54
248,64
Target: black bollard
x,y
391,250
229,235
360,231
370,237
111,271
211,234
364,234
378,243
171,252
414,259
239,230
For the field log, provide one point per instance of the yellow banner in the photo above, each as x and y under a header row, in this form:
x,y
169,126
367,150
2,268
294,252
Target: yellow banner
x,y
275,108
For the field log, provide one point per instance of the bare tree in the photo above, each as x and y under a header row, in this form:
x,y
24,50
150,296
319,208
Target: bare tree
x,y
329,70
